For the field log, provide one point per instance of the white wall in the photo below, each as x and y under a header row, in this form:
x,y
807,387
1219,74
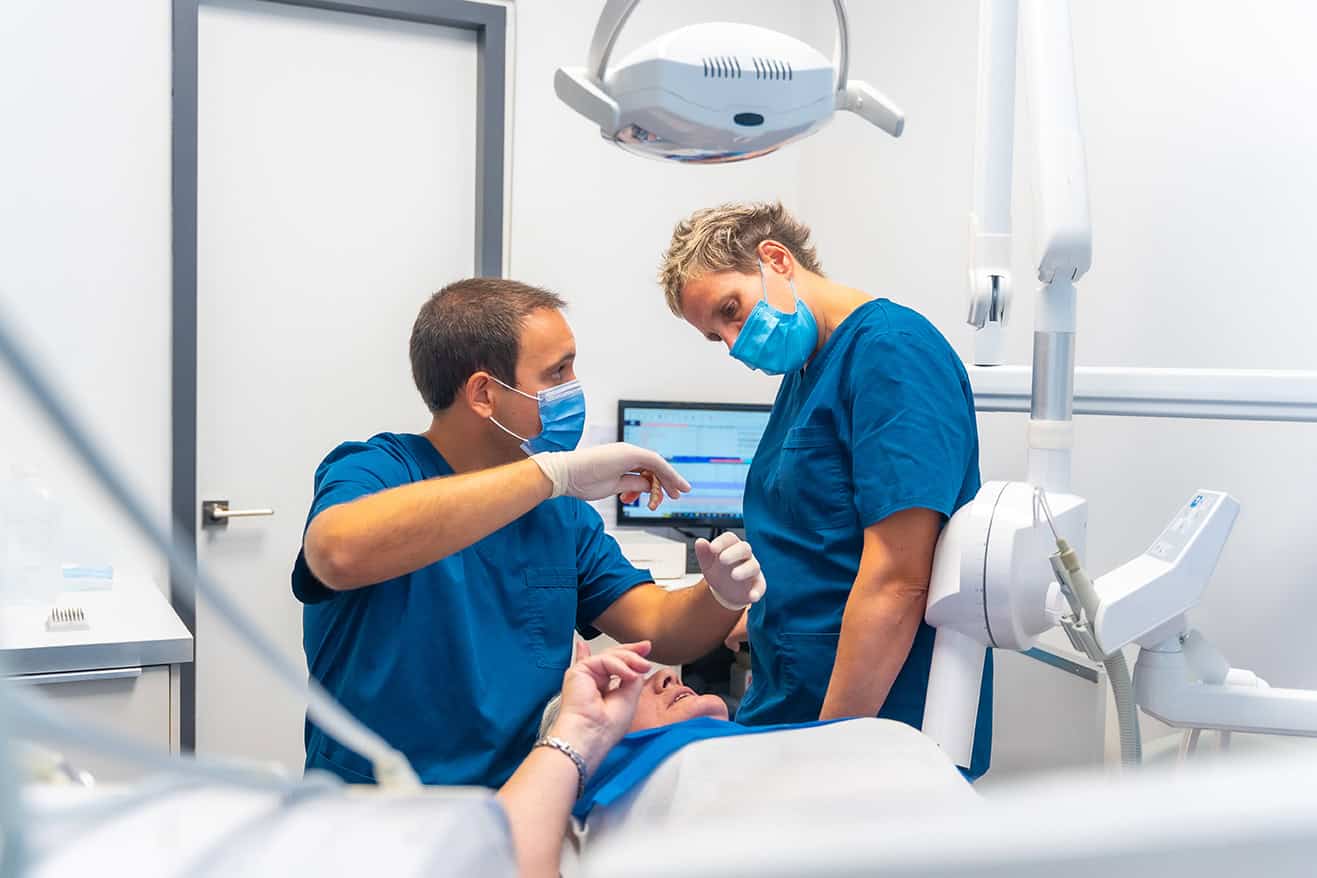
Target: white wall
x,y
85,248
1203,200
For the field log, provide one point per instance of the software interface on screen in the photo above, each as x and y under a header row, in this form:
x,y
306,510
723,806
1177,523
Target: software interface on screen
x,y
713,449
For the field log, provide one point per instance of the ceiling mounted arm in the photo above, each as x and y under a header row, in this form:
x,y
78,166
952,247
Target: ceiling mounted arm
x,y
842,59
606,32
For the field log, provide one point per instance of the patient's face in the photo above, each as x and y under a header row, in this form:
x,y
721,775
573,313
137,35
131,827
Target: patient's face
x,y
665,700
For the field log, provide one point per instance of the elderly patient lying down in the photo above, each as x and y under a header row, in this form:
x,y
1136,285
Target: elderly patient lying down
x,y
682,760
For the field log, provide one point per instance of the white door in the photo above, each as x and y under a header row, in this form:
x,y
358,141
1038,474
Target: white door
x,y
335,191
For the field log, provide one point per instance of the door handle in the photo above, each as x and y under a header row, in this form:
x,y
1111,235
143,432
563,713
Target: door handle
x,y
216,513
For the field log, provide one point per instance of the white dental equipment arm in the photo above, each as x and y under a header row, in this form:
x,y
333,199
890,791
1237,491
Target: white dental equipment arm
x,y
1061,183
1180,678
1000,540
992,583
990,285
991,589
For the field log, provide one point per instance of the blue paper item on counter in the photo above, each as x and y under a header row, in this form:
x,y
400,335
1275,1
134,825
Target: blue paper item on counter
x,y
88,577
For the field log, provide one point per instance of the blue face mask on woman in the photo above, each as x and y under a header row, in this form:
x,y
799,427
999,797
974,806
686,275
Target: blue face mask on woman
x,y
776,342
562,418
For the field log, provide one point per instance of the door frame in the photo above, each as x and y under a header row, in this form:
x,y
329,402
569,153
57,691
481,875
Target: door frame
x,y
489,22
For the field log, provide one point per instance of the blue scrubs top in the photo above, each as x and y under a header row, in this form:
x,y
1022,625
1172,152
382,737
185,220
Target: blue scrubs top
x,y
881,420
453,664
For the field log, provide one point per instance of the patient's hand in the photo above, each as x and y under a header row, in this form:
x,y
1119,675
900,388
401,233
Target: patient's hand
x,y
595,712
593,716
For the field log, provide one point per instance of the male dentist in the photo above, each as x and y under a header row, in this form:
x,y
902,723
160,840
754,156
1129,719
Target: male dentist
x,y
442,573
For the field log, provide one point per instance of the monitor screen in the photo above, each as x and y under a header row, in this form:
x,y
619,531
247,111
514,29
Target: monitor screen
x,y
712,444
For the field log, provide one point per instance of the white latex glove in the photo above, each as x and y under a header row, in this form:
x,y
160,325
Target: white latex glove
x,y
605,470
731,570
594,713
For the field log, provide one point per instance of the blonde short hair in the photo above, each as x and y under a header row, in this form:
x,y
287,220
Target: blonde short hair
x,y
727,238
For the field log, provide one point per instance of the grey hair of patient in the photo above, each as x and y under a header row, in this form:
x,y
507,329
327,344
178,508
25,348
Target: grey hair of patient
x,y
550,715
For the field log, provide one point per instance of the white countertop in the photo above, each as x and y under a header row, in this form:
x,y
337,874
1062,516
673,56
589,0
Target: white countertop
x,y
129,625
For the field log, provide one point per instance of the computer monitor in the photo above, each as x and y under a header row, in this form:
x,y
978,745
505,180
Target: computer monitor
x,y
711,443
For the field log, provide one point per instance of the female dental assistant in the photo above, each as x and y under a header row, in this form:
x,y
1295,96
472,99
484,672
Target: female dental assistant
x,y
871,446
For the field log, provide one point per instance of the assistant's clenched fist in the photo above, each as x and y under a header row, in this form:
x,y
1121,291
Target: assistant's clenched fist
x,y
731,570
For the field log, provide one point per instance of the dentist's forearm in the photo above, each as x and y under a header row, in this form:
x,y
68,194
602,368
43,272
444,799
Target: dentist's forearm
x,y
398,531
878,628
883,611
692,625
684,624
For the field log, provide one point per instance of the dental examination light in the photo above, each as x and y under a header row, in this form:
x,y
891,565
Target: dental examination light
x,y
716,91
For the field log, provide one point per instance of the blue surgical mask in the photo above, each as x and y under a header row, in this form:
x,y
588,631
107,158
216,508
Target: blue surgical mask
x,y
562,418
776,342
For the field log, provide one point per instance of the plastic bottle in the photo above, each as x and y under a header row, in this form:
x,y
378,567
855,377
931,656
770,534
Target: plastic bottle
x,y
31,571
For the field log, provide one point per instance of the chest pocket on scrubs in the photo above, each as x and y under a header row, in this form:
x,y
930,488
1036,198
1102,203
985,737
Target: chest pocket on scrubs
x,y
813,478
551,592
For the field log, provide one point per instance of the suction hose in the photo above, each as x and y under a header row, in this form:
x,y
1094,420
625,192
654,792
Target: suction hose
x,y
1118,672
1122,687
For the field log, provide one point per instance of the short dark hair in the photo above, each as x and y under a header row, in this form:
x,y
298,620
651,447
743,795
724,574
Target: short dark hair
x,y
469,326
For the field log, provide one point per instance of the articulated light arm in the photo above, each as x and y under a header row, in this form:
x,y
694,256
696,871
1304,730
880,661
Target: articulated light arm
x,y
1060,187
990,284
1065,239
1064,244
606,31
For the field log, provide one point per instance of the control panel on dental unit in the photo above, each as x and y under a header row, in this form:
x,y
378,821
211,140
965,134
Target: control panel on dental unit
x,y
1143,599
1186,523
